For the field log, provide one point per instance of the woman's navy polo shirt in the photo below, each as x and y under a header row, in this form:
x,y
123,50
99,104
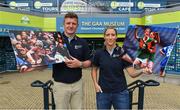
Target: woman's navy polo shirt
x,y
79,49
111,74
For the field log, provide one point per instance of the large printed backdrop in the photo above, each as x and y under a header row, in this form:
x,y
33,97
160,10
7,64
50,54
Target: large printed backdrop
x,y
159,37
34,50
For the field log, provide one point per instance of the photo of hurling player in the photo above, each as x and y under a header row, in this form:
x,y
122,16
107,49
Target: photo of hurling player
x,y
144,44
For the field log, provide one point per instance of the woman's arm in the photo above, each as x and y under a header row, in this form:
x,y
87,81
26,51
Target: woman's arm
x,y
94,78
136,72
127,58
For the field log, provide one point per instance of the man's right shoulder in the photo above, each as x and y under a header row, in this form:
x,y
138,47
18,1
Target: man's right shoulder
x,y
98,51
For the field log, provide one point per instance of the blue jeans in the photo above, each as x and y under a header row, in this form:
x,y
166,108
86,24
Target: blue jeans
x,y
117,100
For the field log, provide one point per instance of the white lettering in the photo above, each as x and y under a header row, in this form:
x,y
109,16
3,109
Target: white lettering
x,y
49,9
96,23
85,23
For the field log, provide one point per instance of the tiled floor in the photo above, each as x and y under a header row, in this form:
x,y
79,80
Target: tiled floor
x,y
16,92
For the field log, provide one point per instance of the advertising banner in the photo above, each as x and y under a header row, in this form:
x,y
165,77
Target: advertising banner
x,y
4,29
97,24
150,46
46,6
130,6
22,5
86,6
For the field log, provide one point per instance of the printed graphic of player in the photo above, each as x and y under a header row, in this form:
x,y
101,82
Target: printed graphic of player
x,y
147,49
166,51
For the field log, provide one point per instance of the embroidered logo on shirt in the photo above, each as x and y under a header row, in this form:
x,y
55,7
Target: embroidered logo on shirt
x,y
65,45
115,55
77,46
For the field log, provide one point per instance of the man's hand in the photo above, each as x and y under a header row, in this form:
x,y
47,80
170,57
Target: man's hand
x,y
73,63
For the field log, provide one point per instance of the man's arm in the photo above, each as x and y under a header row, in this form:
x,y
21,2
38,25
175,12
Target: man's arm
x,y
161,51
135,33
30,57
157,37
75,63
86,64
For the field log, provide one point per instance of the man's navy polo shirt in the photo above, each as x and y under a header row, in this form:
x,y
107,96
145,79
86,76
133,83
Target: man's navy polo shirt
x,y
79,49
111,74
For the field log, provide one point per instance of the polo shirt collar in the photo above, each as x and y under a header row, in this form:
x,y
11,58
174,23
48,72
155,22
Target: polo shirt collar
x,y
113,50
74,38
116,48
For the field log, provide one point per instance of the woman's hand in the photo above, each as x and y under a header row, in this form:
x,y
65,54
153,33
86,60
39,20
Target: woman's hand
x,y
98,88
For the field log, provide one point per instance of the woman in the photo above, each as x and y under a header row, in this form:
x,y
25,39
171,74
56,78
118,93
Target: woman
x,y
111,89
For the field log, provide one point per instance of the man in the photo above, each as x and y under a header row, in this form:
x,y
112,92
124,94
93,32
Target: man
x,y
68,89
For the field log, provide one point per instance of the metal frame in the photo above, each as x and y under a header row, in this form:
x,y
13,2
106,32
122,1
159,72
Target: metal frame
x,y
140,85
46,89
131,87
